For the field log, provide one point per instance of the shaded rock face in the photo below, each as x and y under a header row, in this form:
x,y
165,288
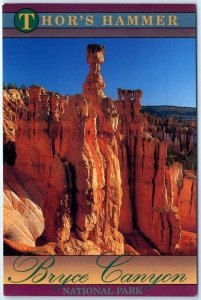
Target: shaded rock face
x,y
187,202
88,167
182,186
12,100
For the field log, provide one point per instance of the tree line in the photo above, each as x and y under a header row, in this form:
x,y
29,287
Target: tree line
x,y
12,85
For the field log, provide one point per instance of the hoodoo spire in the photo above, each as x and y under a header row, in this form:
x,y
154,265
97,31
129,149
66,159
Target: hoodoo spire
x,y
94,83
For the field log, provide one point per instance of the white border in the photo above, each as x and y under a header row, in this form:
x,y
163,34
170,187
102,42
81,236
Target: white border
x,y
198,3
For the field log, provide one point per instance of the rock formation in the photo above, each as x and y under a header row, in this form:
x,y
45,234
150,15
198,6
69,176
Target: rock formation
x,y
180,137
187,206
94,83
89,167
23,218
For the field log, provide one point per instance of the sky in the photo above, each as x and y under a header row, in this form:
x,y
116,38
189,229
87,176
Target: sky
x,y
164,68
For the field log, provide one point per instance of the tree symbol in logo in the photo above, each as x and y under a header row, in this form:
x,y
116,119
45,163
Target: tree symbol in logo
x,y
26,20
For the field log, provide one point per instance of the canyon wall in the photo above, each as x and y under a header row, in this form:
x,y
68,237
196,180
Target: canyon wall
x,y
151,211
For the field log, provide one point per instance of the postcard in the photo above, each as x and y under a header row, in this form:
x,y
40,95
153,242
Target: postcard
x,y
100,149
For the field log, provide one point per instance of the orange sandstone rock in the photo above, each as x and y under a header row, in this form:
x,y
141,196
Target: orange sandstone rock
x,y
187,202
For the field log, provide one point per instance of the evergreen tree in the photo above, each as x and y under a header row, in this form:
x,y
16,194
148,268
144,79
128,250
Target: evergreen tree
x,y
23,86
11,86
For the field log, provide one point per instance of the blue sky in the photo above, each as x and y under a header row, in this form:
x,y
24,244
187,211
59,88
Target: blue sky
x,y
164,68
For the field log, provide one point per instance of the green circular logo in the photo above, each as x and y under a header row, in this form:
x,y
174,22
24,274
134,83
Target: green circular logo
x,y
26,20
